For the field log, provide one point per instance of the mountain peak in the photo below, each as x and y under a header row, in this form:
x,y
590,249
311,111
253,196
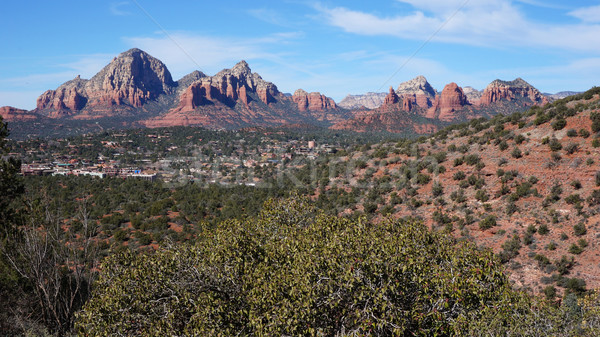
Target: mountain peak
x,y
511,90
242,65
416,86
516,83
132,51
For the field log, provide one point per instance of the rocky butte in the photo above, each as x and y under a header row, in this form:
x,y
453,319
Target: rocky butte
x,y
11,114
137,90
238,97
415,103
131,80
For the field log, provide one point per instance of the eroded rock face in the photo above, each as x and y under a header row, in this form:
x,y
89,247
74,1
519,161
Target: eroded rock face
x,y
418,91
228,87
130,80
452,100
511,90
11,114
473,95
391,97
317,101
370,100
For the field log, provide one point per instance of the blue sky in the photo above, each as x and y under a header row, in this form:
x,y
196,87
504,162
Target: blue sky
x,y
335,47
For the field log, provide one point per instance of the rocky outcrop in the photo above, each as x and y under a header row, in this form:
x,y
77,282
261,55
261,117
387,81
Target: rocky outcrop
x,y
132,79
11,114
516,90
391,98
313,101
561,95
228,87
237,97
370,100
452,100
187,80
418,91
473,95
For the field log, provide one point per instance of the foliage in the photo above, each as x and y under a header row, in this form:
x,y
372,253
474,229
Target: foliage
x,y
295,271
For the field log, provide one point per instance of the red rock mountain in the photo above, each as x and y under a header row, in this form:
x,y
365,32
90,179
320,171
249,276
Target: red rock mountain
x,y
132,79
237,97
10,114
418,92
139,86
136,89
451,102
416,98
313,101
395,115
516,90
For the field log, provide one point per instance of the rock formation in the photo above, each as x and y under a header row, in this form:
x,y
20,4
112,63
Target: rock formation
x,y
518,89
391,98
138,88
129,81
370,100
237,97
10,114
473,95
451,101
313,101
418,91
228,87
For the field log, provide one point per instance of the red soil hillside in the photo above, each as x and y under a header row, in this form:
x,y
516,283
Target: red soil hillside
x,y
526,185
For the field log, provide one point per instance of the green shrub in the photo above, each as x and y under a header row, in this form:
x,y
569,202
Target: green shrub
x,y
516,153
575,249
488,222
297,272
554,144
559,124
460,175
579,229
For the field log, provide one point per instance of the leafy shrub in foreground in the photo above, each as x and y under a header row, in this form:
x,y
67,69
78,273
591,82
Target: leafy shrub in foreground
x,y
295,271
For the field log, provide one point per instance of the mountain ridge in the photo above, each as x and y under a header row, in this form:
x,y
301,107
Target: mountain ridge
x,y
139,90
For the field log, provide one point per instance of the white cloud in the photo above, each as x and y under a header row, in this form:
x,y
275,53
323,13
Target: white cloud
x,y
476,22
587,14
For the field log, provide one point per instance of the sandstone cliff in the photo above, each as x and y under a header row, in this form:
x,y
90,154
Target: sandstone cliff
x,y
473,95
499,91
418,91
313,101
370,100
238,97
132,79
452,100
10,114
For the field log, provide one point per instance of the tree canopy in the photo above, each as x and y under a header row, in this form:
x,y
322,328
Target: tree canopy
x,y
295,271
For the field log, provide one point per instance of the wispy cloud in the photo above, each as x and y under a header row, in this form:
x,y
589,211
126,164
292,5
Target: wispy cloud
x,y
587,14
117,8
497,23
270,16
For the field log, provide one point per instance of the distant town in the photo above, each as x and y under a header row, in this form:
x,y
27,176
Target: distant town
x,y
222,157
